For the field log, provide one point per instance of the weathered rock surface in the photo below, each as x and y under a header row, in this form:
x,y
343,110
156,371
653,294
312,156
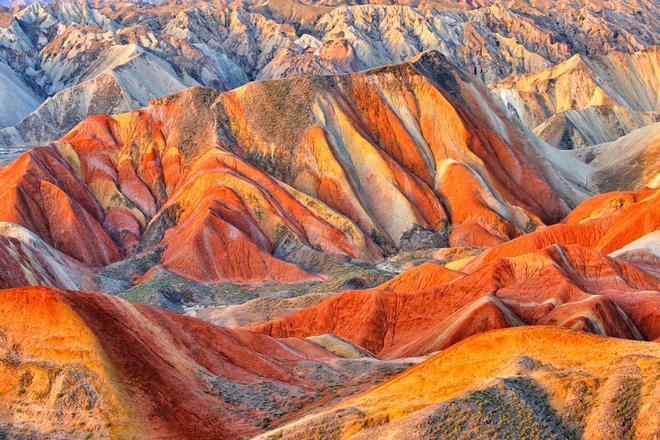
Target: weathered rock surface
x,y
572,287
257,310
57,52
604,223
519,382
223,181
587,101
78,364
131,79
628,163
442,219
554,276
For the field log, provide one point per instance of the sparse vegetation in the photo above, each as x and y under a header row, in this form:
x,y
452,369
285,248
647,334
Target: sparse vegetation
x,y
514,408
626,404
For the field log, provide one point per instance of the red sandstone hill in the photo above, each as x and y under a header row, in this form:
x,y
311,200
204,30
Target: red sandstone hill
x,y
85,364
342,164
604,223
549,277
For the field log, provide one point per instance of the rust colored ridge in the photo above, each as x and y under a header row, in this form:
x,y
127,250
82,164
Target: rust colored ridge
x,y
130,371
605,223
206,247
607,203
42,193
422,277
552,383
26,259
266,209
567,286
138,184
393,141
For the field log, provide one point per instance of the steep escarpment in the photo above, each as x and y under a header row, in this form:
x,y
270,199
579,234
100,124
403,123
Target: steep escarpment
x,y
418,124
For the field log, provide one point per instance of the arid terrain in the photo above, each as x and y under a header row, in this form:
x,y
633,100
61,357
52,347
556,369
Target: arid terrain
x,y
329,219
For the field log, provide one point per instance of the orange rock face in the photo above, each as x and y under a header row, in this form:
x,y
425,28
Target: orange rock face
x,y
42,193
196,245
549,277
96,364
425,276
581,377
604,223
347,166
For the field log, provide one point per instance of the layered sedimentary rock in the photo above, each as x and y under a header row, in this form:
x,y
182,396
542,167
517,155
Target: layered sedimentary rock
x,y
550,383
125,78
251,207
347,165
28,260
490,39
555,276
572,287
586,101
643,252
604,223
52,52
86,364
43,194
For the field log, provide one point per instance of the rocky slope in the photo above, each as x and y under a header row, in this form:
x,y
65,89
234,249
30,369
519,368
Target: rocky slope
x,y
629,162
514,382
17,97
604,223
77,365
52,47
130,81
574,285
586,101
347,165
28,260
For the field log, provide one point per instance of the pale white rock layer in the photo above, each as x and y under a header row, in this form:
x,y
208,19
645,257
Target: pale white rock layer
x,y
17,98
587,101
628,163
